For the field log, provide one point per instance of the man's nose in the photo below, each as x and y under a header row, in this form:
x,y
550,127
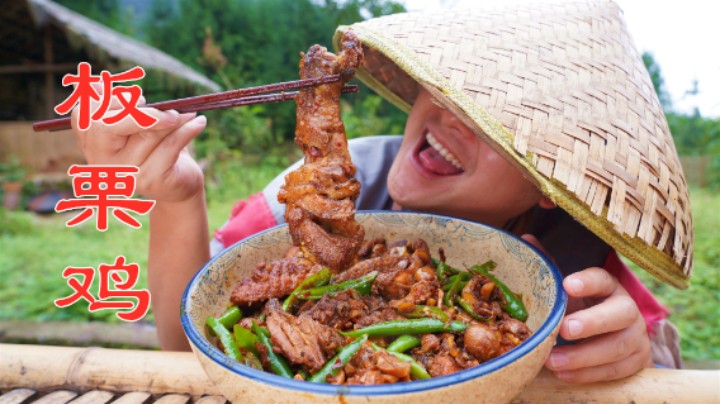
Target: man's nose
x,y
449,120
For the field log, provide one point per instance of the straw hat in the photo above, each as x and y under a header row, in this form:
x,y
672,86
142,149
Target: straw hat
x,y
559,90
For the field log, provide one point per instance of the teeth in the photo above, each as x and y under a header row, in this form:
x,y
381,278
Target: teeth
x,y
443,151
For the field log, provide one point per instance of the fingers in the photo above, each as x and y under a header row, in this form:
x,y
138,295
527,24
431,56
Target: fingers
x,y
610,371
612,340
591,282
167,152
603,349
139,147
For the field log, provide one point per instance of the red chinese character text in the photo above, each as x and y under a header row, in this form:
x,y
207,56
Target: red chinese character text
x,y
84,92
113,285
104,189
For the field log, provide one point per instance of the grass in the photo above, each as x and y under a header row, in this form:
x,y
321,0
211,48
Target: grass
x,y
694,310
35,250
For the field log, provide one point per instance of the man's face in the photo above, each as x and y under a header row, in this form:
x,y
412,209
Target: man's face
x,y
443,167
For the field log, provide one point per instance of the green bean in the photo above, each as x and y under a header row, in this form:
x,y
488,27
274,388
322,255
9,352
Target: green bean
x,y
226,339
277,363
362,284
319,278
245,339
421,311
416,369
511,303
337,362
401,327
403,343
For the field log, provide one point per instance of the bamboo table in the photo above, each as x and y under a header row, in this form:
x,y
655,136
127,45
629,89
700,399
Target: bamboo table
x,y
49,374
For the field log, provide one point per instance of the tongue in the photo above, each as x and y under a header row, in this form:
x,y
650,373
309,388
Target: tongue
x,y
433,161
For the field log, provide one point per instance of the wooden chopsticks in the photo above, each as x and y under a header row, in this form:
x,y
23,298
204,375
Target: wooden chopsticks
x,y
226,99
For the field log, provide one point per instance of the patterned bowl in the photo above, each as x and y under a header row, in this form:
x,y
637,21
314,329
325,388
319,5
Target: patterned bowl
x,y
466,243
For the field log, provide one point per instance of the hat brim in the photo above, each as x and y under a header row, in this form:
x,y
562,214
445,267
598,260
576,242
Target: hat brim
x,y
383,50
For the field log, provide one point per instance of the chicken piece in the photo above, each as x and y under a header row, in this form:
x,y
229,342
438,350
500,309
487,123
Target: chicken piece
x,y
302,340
320,195
276,279
376,367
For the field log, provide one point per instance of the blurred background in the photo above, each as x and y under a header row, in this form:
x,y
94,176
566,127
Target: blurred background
x,y
189,48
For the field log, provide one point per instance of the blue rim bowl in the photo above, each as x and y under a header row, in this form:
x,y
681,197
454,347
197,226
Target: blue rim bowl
x,y
218,273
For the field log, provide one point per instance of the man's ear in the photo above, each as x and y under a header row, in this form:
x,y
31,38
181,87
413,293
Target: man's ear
x,y
546,203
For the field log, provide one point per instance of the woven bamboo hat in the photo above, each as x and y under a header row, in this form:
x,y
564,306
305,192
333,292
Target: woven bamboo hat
x,y
561,91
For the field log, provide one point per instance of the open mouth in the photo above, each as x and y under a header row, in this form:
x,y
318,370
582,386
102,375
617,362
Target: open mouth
x,y
437,159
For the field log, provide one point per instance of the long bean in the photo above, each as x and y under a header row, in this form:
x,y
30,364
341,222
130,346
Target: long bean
x,y
403,343
337,362
226,339
413,326
231,316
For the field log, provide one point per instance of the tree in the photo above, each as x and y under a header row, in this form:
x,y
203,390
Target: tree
x,y
653,69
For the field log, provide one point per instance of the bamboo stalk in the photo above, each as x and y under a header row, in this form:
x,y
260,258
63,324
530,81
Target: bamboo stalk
x,y
121,370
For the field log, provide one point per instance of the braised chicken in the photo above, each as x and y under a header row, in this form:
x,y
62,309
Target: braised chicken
x,y
320,195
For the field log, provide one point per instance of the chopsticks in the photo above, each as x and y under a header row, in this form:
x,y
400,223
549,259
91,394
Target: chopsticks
x,y
226,99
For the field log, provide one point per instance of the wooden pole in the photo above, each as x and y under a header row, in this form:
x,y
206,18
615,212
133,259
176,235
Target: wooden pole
x,y
122,370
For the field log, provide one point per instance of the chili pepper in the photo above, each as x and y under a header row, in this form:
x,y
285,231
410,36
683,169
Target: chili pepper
x,y
468,307
226,339
455,287
245,338
447,268
414,326
421,311
403,343
319,278
416,369
229,318
337,362
277,363
512,304
361,284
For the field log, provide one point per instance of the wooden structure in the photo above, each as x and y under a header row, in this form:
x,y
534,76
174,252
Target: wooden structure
x,y
41,42
123,376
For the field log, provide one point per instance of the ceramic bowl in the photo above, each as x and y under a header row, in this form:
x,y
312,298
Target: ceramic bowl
x,y
520,266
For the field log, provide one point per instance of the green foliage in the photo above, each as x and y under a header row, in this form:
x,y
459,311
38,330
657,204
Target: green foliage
x,y
253,42
658,82
12,171
30,277
107,12
364,118
694,310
